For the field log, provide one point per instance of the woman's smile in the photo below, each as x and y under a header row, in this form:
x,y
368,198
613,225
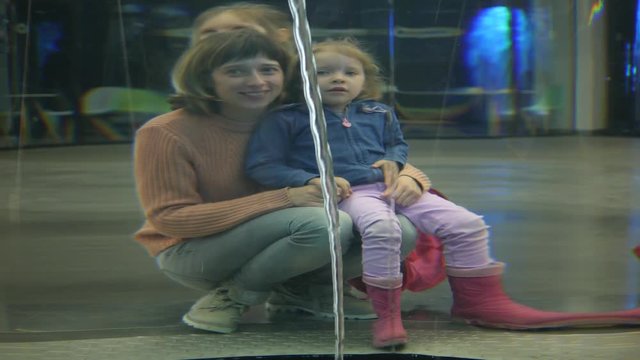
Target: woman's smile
x,y
257,94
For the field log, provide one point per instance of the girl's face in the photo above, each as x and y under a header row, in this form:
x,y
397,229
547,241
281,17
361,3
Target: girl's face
x,y
247,87
227,21
340,78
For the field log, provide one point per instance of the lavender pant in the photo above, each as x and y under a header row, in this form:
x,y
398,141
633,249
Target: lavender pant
x,y
464,234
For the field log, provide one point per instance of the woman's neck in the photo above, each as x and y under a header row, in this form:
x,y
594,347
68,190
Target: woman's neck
x,y
242,115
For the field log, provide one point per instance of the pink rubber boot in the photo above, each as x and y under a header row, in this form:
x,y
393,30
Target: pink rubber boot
x,y
387,329
479,299
636,251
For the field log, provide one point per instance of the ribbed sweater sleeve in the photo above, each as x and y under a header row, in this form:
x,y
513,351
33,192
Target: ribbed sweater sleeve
x,y
417,175
170,190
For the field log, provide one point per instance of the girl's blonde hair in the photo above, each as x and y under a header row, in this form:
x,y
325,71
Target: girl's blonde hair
x,y
350,47
272,19
192,74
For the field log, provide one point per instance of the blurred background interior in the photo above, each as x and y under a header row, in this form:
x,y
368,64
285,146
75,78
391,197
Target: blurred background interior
x,y
526,111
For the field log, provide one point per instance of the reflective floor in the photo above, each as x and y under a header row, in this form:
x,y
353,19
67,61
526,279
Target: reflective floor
x,y
564,211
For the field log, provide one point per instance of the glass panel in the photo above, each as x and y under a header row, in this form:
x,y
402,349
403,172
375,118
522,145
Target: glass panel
x,y
455,69
523,111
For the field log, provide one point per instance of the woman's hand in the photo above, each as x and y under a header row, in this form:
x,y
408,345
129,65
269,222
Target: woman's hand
x,y
407,191
308,195
390,170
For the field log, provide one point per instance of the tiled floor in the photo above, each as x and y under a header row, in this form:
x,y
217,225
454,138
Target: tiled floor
x,y
564,211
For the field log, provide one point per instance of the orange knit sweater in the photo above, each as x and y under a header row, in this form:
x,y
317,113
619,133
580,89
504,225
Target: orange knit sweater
x,y
190,179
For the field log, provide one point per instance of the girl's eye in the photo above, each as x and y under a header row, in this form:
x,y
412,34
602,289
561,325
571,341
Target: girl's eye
x,y
322,72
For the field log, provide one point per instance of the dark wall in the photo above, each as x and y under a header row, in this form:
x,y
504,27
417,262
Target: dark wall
x,y
623,58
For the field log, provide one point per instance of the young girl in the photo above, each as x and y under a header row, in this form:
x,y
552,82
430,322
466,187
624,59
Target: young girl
x,y
368,152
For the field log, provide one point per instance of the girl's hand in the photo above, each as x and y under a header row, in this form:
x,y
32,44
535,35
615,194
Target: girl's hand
x,y
407,191
390,170
343,186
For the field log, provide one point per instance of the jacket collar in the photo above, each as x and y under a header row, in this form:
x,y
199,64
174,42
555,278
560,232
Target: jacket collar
x,y
363,106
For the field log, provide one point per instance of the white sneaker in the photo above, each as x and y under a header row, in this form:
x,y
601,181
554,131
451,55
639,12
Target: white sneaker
x,y
215,312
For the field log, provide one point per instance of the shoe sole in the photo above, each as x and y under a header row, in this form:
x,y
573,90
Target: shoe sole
x,y
583,324
293,308
396,342
207,327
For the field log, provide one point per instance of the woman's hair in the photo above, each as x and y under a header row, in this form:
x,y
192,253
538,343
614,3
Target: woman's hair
x,y
268,17
349,47
192,74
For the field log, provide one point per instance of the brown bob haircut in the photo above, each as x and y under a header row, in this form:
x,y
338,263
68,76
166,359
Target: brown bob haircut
x,y
192,74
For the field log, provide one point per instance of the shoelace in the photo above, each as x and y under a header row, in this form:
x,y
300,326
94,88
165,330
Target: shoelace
x,y
223,301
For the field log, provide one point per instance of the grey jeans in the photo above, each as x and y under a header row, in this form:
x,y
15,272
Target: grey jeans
x,y
266,251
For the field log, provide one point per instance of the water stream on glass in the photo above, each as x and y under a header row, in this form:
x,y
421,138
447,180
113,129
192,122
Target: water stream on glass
x,y
302,36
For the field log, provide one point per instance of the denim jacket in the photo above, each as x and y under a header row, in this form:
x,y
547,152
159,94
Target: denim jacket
x,y
281,151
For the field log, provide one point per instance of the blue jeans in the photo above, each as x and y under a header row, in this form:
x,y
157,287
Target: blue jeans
x,y
264,252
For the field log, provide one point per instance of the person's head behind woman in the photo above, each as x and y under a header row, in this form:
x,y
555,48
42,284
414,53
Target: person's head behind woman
x,y
349,47
263,18
193,76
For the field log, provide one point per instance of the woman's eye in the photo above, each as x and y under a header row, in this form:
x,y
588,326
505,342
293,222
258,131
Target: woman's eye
x,y
234,72
271,70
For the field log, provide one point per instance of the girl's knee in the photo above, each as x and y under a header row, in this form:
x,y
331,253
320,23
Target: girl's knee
x,y
474,222
468,223
387,229
470,228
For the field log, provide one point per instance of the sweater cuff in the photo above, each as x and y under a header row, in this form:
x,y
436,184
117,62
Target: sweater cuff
x,y
281,198
421,178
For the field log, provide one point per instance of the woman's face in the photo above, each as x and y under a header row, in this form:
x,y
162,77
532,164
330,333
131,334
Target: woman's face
x,y
247,87
227,21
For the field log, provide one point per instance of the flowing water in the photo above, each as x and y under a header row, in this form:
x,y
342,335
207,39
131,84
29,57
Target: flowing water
x,y
302,36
